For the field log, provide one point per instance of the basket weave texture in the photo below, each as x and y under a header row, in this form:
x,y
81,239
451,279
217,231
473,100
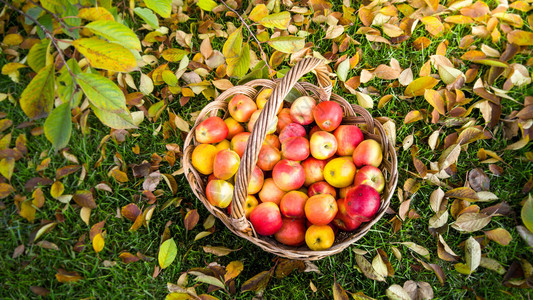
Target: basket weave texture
x,y
353,114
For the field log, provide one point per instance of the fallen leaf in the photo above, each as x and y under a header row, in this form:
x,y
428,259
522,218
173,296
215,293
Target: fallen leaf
x,y
470,222
233,269
500,236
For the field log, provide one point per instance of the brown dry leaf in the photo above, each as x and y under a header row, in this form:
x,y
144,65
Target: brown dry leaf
x,y
217,250
449,156
152,181
84,198
258,282
435,199
222,84
463,193
40,291
500,236
287,266
367,268
470,222
418,290
436,269
191,219
338,292
18,251
419,86
65,276
130,211
127,257
439,220
478,180
386,72
233,269
421,43
417,249
404,209
445,252
67,170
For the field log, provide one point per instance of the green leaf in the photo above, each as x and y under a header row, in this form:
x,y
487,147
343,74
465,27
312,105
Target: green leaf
x,y
39,55
37,99
238,66
148,16
527,213
162,7
287,44
102,92
169,78
106,55
280,20
66,87
58,126
343,69
123,120
232,46
207,5
115,32
167,253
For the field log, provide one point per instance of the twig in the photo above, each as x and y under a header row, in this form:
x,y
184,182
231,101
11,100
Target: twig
x,y
46,32
64,25
263,55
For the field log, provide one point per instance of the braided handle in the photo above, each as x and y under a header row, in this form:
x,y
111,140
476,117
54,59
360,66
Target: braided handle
x,y
257,137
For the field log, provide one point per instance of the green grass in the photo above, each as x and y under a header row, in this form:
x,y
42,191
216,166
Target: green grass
x,y
37,266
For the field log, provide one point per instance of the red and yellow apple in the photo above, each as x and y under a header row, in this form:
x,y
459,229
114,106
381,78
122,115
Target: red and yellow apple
x,y
272,140
362,202
284,119
319,237
262,98
225,144
203,157
340,172
322,145
321,187
348,137
226,164
288,175
256,181
266,218
219,193
270,192
295,148
268,157
302,110
371,176
211,130
343,221
321,209
249,205
367,153
234,127
292,204
291,130
271,128
238,142
328,115
241,108
314,170
292,232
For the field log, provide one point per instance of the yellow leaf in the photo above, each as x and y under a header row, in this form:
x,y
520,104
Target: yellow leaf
x,y
119,175
258,13
95,13
413,116
106,55
458,19
520,38
98,243
174,55
37,99
233,269
232,46
419,86
13,39
280,20
513,19
287,44
500,236
435,99
7,165
27,211
433,25
433,4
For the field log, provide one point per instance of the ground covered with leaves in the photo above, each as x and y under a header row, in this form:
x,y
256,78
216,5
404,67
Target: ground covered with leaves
x,y
93,201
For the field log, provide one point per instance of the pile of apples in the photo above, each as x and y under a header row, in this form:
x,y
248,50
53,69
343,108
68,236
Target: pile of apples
x,y
313,176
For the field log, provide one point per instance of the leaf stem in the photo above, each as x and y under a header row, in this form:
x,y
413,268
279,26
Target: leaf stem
x,y
64,25
263,55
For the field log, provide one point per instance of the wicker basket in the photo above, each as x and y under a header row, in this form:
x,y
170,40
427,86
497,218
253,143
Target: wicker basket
x,y
353,114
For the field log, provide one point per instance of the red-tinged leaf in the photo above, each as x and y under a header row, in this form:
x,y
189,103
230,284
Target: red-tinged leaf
x,y
191,219
258,282
413,116
5,190
40,291
233,269
287,266
36,181
419,86
18,251
67,170
318,5
84,198
520,38
118,175
127,257
96,229
463,193
436,269
130,211
421,43
65,276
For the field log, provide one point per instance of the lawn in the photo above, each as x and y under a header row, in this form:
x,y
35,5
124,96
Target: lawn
x,y
87,220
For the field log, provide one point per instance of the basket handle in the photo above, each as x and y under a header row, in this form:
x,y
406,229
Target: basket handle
x,y
257,137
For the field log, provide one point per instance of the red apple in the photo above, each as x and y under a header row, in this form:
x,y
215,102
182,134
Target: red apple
x,y
256,181
292,204
343,191
270,192
343,221
268,157
238,142
211,130
241,108
371,176
321,209
288,175
295,148
292,232
367,153
321,187
226,164
314,170
362,202
302,110
266,218
284,119
313,130
291,130
219,193
323,145
328,115
234,127
348,137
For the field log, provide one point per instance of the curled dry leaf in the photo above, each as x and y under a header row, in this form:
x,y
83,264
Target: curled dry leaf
x,y
258,282
287,266
463,193
445,252
65,276
435,199
418,290
338,292
367,268
191,219
217,250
